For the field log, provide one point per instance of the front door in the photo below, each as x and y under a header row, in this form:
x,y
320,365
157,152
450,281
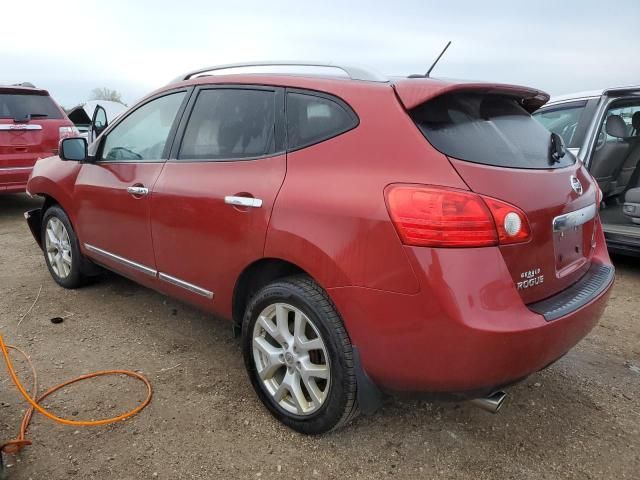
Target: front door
x,y
212,203
113,192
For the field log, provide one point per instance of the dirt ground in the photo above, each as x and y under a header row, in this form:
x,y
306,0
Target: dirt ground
x,y
578,419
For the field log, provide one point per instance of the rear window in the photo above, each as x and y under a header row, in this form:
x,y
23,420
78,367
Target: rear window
x,y
488,129
19,105
312,119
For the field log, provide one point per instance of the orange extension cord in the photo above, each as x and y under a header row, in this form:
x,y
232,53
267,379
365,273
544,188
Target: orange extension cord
x,y
14,446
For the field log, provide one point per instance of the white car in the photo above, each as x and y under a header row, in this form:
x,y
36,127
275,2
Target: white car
x,y
93,117
602,128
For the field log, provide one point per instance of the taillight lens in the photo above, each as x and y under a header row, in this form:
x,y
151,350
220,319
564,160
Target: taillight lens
x,y
446,217
66,132
511,222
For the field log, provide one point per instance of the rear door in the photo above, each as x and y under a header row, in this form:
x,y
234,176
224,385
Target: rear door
x,y
113,193
212,203
499,150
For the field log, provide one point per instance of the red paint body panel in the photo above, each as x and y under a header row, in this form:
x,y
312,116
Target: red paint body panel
x,y
466,330
110,218
423,319
330,216
200,239
415,91
542,195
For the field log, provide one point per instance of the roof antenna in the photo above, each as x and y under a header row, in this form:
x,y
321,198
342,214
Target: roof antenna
x,y
426,75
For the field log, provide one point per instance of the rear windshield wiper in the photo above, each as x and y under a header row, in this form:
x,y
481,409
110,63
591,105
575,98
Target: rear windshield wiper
x,y
29,116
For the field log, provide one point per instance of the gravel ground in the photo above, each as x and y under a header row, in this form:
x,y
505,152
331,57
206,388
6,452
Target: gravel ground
x,y
578,419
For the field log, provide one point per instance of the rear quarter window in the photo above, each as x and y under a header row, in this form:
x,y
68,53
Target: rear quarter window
x,y
312,118
488,129
19,105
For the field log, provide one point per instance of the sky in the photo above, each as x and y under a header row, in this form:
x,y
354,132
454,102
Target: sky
x,y
132,46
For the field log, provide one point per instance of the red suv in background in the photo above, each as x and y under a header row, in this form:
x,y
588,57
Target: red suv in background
x,y
31,125
363,235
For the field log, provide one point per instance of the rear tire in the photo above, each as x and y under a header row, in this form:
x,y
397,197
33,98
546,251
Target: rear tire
x,y
61,249
299,357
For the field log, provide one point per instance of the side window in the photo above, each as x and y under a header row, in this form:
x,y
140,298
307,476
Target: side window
x,y
143,134
230,124
626,113
312,119
563,121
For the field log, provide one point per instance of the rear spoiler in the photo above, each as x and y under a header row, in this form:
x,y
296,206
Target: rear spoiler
x,y
23,90
413,92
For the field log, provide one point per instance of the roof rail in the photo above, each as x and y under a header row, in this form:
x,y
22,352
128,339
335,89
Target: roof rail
x,y
353,72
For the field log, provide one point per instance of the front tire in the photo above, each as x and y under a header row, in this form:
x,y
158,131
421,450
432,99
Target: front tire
x,y
299,357
61,249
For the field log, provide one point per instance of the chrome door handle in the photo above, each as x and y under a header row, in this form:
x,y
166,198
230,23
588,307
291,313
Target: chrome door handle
x,y
243,201
138,191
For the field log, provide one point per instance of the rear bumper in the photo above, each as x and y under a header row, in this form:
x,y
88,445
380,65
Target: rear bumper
x,y
467,332
14,179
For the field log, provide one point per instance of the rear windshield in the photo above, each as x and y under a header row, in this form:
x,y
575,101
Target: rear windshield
x,y
19,105
488,129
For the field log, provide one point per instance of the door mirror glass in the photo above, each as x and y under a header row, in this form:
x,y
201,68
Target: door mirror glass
x,y
73,149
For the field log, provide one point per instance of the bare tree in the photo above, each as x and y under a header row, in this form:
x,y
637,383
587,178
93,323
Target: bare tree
x,y
105,93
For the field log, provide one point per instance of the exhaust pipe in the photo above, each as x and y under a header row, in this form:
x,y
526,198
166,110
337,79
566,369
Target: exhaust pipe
x,y
492,403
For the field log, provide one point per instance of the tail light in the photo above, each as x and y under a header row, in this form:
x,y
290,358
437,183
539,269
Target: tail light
x,y
446,217
66,132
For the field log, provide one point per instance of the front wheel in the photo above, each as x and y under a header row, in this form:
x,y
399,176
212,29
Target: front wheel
x,y
61,249
299,356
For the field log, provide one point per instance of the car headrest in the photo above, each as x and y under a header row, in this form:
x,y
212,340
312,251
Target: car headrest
x,y
616,127
635,121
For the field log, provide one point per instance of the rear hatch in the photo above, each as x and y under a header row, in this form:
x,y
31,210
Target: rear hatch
x,y
30,124
500,151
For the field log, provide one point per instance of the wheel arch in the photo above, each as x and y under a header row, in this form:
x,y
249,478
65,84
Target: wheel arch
x,y
255,276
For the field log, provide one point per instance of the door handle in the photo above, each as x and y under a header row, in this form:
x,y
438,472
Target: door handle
x,y
243,201
138,191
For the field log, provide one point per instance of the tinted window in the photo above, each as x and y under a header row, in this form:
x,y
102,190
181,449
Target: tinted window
x,y
18,106
311,119
143,134
563,121
227,123
488,129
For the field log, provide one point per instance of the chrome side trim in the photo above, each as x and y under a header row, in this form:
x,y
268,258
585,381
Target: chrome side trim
x,y
19,127
121,260
574,219
186,285
16,168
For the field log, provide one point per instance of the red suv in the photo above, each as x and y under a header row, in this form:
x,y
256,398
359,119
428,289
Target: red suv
x,y
31,125
364,236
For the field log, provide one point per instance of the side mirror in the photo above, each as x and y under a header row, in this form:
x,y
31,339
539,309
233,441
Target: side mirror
x,y
74,149
99,122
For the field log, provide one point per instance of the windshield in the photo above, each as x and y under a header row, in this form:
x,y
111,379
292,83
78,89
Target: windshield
x,y
490,129
19,105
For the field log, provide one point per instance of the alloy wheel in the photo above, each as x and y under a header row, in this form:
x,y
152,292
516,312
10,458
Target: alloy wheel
x,y
291,359
58,247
